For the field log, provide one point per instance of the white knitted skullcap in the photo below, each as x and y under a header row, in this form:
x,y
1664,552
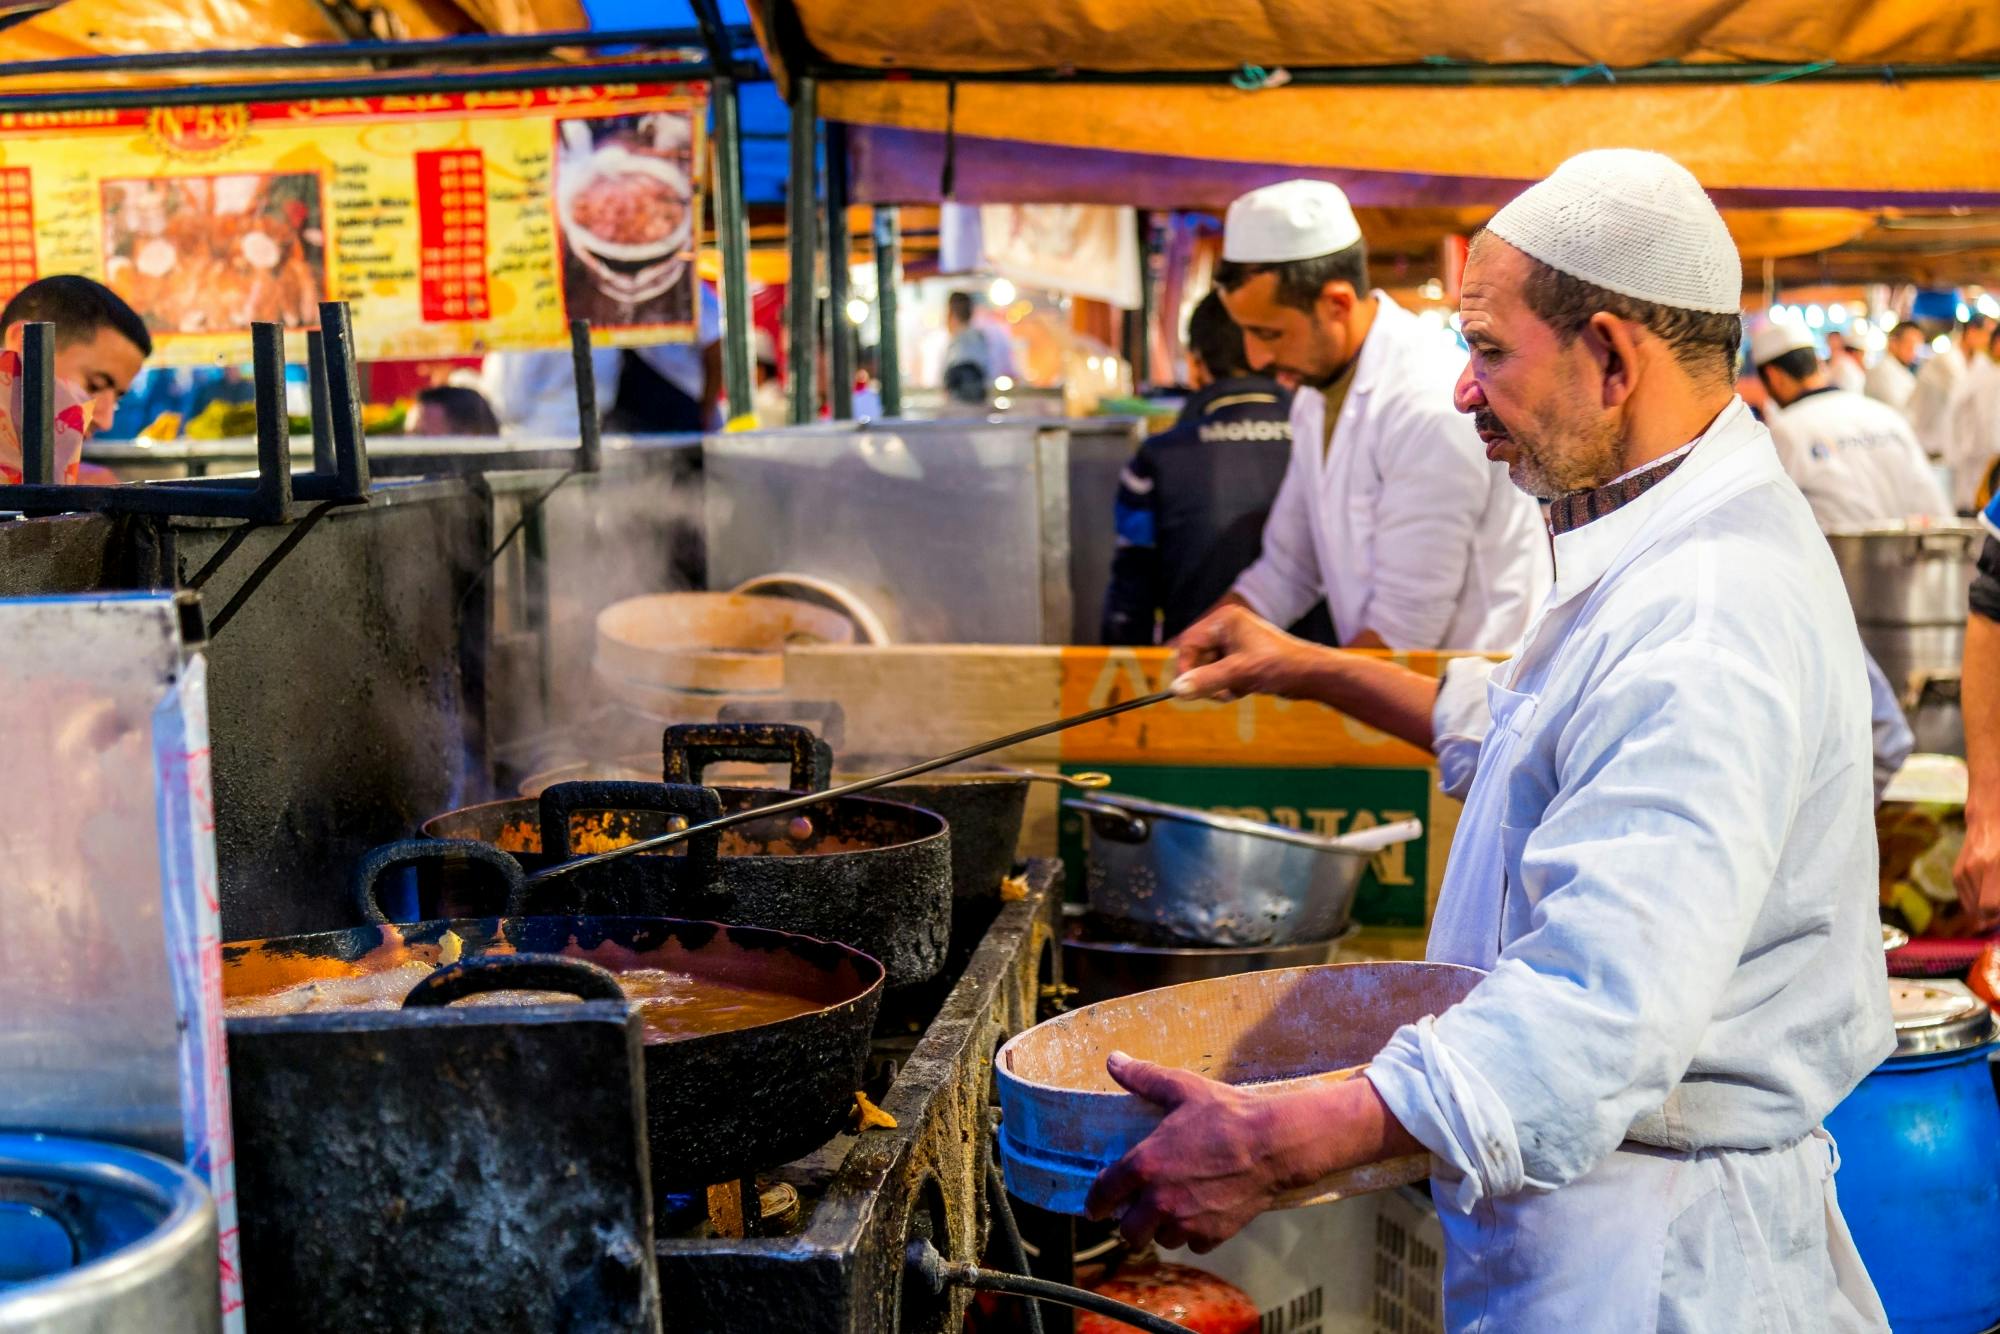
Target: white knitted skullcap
x,y
1631,222
1287,221
1775,338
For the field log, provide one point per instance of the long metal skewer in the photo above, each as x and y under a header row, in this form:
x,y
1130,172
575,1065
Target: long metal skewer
x,y
849,789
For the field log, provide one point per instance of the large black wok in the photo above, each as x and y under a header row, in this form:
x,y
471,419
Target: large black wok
x,y
869,873
719,1105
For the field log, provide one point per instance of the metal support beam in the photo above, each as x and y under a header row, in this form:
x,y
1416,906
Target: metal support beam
x,y
38,403
274,423
589,433
322,406
732,235
888,279
802,231
839,250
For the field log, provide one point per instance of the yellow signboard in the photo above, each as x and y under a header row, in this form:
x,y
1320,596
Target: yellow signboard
x,y
454,223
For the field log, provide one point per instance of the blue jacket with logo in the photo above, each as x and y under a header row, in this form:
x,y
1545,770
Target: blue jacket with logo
x,y
1191,508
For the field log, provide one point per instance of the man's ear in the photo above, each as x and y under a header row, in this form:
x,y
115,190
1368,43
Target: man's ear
x,y
1337,300
1611,344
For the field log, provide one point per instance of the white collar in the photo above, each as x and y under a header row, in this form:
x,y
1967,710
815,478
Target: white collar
x,y
1584,554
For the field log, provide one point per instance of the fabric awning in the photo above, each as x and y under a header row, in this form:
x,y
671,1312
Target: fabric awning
x,y
1211,34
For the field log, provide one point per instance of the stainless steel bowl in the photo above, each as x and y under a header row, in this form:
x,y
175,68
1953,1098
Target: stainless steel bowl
x,y
1104,969
1179,875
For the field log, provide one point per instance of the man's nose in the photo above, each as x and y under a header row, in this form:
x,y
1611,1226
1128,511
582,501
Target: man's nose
x,y
103,407
1466,395
1255,352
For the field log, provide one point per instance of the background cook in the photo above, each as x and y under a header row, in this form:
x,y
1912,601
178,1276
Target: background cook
x,y
1388,508
1192,503
1666,859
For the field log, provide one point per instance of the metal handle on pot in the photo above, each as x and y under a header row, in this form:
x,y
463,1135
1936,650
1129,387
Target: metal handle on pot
x,y
453,853
697,805
686,751
514,972
1091,781
1129,829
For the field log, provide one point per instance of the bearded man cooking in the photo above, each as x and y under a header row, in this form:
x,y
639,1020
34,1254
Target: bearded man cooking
x,y
1666,860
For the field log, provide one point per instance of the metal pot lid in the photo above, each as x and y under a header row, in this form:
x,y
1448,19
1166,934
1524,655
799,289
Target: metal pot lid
x,y
1932,1019
1950,529
1159,810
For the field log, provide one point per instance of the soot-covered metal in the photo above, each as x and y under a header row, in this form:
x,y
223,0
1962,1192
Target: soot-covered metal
x,y
840,1269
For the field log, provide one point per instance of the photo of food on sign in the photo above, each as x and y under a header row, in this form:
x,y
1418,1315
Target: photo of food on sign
x,y
625,204
203,254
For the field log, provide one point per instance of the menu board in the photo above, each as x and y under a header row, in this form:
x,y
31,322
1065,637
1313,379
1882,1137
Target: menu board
x,y
455,223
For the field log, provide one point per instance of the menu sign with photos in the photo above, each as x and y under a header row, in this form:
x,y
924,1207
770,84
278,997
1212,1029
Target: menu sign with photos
x,y
454,223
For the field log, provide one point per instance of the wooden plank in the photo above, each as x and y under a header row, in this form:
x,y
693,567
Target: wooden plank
x,y
926,699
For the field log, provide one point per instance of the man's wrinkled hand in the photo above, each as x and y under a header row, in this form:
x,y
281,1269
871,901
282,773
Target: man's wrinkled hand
x,y
1232,652
1203,1174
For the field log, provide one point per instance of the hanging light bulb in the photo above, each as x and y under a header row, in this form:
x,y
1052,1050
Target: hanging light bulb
x,y
857,310
1836,315
1815,317
1001,293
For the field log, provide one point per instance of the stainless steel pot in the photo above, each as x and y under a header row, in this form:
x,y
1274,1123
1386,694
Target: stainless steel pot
x,y
99,1239
1908,585
1178,875
1936,719
1106,969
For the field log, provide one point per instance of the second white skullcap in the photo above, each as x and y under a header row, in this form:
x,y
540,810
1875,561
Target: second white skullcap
x,y
1631,222
1775,338
1287,221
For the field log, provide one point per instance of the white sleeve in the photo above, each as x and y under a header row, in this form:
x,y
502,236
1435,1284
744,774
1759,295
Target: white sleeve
x,y
1592,1016
1435,488
1282,584
1460,720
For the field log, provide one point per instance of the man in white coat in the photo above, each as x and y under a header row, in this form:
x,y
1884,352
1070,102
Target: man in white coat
x,y
1388,508
1857,460
1974,441
1666,860
1893,377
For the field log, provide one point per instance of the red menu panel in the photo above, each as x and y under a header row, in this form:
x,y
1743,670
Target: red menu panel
x,y
451,226
17,231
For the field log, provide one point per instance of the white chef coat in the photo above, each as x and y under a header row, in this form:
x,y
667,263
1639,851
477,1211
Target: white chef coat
x,y
1890,381
1857,461
1975,432
1847,373
1667,864
1401,524
1930,403
534,393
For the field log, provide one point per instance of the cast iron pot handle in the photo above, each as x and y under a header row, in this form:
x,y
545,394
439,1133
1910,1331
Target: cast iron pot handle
x,y
688,749
462,853
697,805
514,972
1113,822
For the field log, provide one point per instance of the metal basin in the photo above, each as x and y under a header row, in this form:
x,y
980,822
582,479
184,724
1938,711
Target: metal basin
x,y
99,1239
1905,575
1064,1120
1174,875
1100,969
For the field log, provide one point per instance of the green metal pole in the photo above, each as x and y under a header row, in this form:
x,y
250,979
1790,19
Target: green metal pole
x,y
839,251
888,278
802,232
732,234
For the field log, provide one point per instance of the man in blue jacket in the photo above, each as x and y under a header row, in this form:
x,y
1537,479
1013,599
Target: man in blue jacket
x,y
1192,503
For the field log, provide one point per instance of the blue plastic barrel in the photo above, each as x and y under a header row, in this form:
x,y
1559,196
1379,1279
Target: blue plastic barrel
x,y
1919,1184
